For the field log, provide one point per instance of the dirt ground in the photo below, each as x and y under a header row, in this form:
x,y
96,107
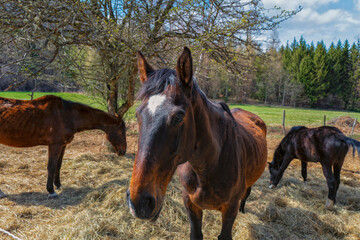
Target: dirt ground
x,y
91,203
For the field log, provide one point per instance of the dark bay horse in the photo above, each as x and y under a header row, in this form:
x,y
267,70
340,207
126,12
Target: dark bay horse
x,y
327,145
53,121
218,153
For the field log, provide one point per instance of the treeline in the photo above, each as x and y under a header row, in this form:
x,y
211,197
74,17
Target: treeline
x,y
302,74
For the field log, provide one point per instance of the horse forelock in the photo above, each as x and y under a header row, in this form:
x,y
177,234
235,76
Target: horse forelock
x,y
157,83
160,80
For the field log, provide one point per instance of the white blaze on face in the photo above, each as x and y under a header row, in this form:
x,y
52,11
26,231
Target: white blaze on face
x,y
155,102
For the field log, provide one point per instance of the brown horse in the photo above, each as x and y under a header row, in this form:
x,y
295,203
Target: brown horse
x,y
327,145
219,154
53,121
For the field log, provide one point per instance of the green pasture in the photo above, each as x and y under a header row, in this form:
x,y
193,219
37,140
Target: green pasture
x,y
75,97
295,116
271,115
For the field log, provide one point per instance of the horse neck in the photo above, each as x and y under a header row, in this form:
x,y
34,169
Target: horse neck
x,y
278,156
209,138
90,118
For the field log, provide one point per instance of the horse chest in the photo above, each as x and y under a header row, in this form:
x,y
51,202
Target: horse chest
x,y
205,194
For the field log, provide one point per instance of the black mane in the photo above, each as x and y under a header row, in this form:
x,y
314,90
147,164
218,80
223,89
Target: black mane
x,y
296,128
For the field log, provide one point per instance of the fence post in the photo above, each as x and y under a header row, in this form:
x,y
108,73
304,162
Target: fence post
x,y
283,123
324,120
352,130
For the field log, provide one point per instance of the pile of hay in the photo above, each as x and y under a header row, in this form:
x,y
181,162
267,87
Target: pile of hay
x,y
345,123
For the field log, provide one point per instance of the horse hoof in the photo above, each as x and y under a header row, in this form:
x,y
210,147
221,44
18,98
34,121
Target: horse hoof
x,y
52,195
329,204
59,187
272,186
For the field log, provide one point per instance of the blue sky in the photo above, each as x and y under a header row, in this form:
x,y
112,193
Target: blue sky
x,y
327,20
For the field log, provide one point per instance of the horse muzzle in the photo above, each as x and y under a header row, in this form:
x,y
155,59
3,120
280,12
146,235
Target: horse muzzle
x,y
144,208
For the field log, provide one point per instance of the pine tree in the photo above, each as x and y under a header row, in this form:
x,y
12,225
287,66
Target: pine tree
x,y
306,76
345,84
321,73
355,73
334,68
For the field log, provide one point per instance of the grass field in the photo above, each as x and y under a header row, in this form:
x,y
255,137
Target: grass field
x,y
295,116
271,115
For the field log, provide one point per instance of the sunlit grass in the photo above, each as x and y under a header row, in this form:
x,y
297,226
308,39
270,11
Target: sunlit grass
x,y
295,116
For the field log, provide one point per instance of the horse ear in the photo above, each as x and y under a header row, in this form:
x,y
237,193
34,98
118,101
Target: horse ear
x,y
144,68
184,67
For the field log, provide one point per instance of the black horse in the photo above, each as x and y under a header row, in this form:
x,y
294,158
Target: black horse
x,y
327,145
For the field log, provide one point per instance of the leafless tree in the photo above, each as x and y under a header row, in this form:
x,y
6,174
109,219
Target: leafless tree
x,y
111,31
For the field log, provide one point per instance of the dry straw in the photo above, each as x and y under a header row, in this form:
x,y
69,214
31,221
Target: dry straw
x,y
92,203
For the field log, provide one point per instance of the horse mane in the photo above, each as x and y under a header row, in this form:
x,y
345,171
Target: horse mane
x,y
296,128
279,149
226,108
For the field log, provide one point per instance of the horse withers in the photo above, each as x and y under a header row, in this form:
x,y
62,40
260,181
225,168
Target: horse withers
x,y
53,121
218,153
327,145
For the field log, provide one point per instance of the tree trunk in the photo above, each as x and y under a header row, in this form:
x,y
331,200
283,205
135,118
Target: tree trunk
x,y
284,93
130,92
112,95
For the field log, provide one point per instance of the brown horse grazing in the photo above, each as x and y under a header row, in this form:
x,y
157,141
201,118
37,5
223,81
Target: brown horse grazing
x,y
52,121
326,145
219,154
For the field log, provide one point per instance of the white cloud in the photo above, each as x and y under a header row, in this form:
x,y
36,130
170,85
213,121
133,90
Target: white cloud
x,y
357,4
319,20
330,16
294,4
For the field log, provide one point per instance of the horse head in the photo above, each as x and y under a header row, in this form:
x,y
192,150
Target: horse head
x,y
166,133
116,134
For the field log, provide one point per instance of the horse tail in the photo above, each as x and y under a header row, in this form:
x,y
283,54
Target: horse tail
x,y
354,143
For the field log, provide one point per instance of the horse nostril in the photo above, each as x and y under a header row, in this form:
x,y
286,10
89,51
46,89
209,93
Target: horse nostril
x,y
149,202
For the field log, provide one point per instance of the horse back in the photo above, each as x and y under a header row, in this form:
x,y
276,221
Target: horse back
x,y
319,144
253,129
253,121
26,123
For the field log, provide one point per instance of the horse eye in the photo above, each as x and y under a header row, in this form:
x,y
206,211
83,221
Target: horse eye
x,y
178,118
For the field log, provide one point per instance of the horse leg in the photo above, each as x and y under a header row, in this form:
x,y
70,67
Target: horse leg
x,y
228,217
304,170
54,152
331,182
57,172
242,204
337,169
195,217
